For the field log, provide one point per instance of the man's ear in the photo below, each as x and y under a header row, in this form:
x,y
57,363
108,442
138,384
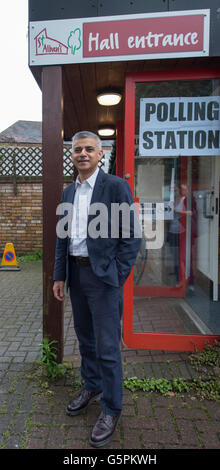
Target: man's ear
x,y
100,154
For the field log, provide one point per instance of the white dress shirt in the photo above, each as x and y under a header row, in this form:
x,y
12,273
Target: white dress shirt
x,y
82,200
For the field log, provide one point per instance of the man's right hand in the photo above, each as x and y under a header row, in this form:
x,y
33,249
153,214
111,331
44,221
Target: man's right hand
x,y
58,290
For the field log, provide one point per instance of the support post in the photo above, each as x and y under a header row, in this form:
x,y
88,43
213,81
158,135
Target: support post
x,y
52,146
119,148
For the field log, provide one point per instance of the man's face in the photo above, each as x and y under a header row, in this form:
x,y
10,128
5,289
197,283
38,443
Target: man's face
x,y
86,155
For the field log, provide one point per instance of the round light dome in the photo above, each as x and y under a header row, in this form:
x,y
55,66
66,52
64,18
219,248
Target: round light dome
x,y
109,98
106,131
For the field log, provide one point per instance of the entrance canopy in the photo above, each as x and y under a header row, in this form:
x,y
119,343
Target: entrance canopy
x,y
79,49
97,44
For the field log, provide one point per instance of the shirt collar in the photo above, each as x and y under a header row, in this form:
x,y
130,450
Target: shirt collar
x,y
91,180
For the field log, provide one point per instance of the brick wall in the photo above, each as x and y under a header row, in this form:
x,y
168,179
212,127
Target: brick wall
x,y
21,217
21,194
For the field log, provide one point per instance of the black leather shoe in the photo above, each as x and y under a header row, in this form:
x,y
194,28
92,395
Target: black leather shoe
x,y
80,403
103,429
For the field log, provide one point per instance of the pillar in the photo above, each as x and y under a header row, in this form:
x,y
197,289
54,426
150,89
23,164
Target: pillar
x,y
52,144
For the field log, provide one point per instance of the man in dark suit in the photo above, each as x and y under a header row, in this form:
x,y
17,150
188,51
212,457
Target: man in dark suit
x,y
95,264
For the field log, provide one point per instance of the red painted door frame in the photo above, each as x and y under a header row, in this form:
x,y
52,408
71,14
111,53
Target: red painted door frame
x,y
161,341
119,148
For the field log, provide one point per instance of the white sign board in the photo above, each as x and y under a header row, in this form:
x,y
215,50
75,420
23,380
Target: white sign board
x,y
179,126
120,37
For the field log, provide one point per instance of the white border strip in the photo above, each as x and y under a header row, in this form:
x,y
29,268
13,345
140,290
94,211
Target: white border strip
x,y
61,27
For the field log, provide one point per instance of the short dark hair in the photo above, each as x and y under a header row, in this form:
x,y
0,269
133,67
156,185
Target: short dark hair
x,y
84,135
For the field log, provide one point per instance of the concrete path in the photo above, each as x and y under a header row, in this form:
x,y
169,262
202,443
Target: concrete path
x,y
32,411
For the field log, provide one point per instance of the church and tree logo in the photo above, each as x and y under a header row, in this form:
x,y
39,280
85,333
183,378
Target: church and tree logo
x,y
46,45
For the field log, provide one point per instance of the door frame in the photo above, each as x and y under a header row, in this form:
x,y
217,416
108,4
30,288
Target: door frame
x,y
145,340
215,241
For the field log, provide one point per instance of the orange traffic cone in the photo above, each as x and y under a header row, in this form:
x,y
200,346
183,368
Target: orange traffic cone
x,y
9,261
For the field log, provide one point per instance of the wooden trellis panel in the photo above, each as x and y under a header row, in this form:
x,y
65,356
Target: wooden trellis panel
x,y
27,161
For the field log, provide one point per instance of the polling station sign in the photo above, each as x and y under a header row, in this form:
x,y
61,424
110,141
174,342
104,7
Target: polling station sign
x,y
179,126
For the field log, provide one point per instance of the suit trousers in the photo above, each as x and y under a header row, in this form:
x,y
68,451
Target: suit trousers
x,y
97,311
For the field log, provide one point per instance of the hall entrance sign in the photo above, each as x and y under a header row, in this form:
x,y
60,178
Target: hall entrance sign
x,y
120,37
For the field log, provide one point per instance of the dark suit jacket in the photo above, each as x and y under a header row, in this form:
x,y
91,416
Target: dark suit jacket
x,y
111,258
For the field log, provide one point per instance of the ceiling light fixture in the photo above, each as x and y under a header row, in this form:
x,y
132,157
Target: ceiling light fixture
x,y
109,98
107,131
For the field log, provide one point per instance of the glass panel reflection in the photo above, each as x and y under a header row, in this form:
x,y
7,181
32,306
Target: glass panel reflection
x,y
176,275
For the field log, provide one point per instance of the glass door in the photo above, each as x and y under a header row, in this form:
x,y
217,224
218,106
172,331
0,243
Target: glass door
x,y
159,188
171,161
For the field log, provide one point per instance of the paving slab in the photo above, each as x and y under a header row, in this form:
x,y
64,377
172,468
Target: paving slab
x,y
32,415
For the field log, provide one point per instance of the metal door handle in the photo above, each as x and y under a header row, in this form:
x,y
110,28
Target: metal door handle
x,y
216,206
207,213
